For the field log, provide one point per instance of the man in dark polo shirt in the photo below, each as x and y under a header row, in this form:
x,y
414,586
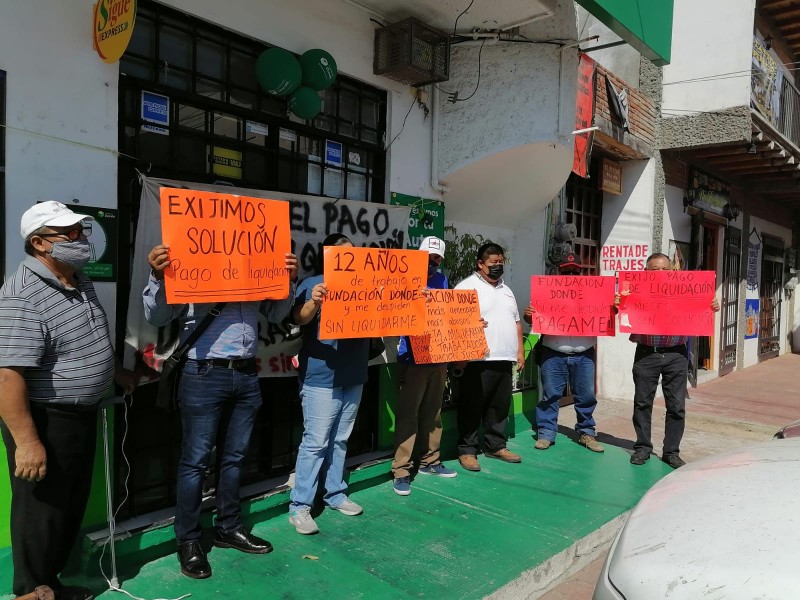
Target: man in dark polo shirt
x,y
56,363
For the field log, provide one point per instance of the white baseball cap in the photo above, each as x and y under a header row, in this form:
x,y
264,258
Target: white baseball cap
x,y
433,245
48,214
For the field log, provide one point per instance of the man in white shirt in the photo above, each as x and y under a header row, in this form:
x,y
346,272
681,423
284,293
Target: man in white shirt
x,y
485,389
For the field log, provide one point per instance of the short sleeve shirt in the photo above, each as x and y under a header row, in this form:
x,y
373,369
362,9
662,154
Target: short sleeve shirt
x,y
499,308
329,363
59,334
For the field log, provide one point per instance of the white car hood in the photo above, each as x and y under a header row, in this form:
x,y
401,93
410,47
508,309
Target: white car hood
x,y
727,527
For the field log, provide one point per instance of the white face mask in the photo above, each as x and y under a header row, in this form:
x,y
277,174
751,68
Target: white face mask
x,y
75,253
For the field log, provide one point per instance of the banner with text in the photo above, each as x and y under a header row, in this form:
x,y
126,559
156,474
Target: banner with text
x,y
311,218
623,257
573,305
667,302
373,292
224,248
454,331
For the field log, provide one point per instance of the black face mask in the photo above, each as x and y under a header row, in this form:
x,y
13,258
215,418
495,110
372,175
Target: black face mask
x,y
432,268
496,271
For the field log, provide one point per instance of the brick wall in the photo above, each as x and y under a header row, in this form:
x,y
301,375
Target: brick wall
x,y
641,110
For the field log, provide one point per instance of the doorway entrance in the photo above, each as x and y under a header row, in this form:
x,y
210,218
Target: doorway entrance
x,y
729,307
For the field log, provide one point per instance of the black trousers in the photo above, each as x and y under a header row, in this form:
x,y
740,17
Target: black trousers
x,y
484,397
46,516
672,368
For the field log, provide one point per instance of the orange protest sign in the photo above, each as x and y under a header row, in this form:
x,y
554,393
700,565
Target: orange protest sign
x,y
454,329
224,247
373,292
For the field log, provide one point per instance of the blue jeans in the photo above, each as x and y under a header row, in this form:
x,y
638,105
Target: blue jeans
x,y
556,370
213,399
328,418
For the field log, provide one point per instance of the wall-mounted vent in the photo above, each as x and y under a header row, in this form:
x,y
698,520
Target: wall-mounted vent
x,y
412,53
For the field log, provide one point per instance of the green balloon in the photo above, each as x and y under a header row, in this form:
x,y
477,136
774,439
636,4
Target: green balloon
x,y
305,103
319,69
278,71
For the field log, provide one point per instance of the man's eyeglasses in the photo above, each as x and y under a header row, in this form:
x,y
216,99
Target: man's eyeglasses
x,y
72,234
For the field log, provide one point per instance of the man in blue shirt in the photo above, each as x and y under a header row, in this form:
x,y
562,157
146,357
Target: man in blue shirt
x,y
419,398
218,390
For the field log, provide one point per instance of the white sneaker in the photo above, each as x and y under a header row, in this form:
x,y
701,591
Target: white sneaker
x,y
303,521
349,508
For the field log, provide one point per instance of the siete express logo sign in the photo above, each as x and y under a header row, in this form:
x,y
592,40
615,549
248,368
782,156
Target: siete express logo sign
x,y
112,28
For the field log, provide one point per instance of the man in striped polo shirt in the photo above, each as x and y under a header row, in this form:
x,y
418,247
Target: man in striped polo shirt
x,y
56,363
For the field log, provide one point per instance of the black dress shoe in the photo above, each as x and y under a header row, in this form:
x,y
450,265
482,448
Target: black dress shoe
x,y
193,560
674,461
73,592
640,457
243,541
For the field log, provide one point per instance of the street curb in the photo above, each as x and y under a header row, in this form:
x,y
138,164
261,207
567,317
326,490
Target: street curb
x,y
537,581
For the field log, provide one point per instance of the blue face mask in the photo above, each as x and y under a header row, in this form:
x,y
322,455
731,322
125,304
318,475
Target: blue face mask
x,y
432,268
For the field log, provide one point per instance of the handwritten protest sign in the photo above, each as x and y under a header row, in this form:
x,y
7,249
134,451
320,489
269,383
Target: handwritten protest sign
x,y
454,330
224,247
573,305
667,302
373,292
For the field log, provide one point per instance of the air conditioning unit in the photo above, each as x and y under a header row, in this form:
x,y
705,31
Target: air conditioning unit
x,y
411,52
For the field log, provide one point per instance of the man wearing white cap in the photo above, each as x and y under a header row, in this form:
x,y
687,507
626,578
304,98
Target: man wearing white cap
x,y
56,364
419,398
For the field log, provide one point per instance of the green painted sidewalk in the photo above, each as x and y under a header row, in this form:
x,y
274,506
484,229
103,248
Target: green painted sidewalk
x,y
451,538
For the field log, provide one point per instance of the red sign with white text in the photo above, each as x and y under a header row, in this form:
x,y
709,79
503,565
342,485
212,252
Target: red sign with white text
x,y
578,305
584,116
667,302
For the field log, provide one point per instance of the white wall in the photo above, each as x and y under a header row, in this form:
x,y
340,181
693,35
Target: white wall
x,y
626,221
623,61
677,223
57,87
712,37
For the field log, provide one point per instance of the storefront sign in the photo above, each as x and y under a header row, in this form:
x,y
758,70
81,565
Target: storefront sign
x,y
753,258
155,109
584,116
333,153
766,81
426,218
373,292
226,162
644,24
224,248
103,242
573,305
708,193
623,257
454,331
751,315
610,176
667,302
112,28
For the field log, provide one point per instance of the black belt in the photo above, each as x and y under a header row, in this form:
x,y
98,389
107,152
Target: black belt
x,y
69,408
237,364
679,349
582,352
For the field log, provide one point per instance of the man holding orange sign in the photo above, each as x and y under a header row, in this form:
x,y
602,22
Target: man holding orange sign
x,y
219,393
